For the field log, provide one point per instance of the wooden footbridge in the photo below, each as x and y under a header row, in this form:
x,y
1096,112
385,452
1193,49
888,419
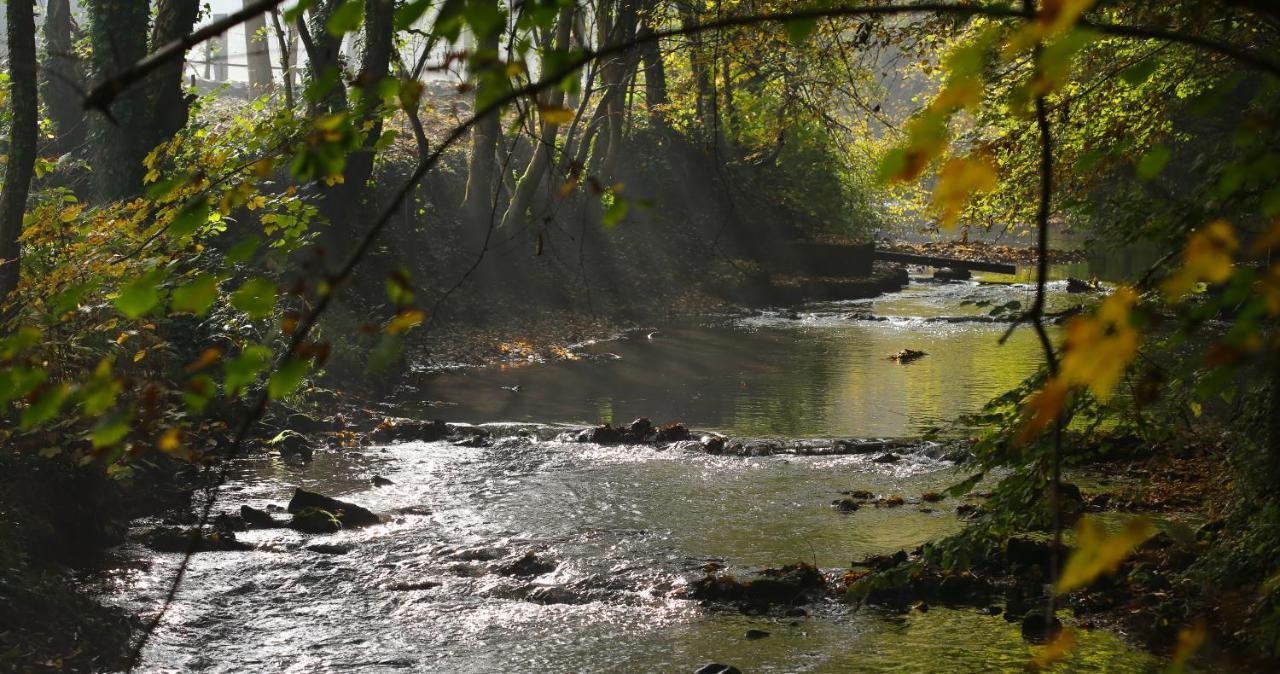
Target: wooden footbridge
x,y
855,260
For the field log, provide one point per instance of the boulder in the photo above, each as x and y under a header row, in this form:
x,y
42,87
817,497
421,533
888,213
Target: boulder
x,y
292,445
845,505
349,514
315,521
409,430
180,539
639,430
379,481
752,635
1037,629
529,564
258,519
717,668
949,274
889,457
331,548
713,444
602,435
673,432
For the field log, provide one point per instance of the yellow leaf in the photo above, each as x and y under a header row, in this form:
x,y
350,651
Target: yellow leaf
x,y
1100,347
137,357
170,441
405,320
1097,553
1041,409
1055,651
556,116
1190,639
1057,16
1207,257
207,358
959,178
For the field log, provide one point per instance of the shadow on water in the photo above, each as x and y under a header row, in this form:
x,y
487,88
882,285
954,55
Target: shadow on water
x,y
625,527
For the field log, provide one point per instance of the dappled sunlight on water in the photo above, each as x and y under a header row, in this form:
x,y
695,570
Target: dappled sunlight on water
x,y
624,528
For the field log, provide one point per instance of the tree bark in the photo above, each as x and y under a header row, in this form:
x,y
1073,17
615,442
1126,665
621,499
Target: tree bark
x,y
257,54
118,35
527,186
21,26
478,201
63,78
324,59
170,103
655,82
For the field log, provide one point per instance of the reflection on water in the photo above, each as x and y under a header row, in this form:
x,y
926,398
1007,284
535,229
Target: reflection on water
x,y
626,527
823,371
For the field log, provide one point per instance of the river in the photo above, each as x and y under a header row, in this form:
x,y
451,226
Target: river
x,y
626,527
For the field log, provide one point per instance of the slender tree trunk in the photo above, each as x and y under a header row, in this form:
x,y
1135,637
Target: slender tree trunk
x,y
287,41
655,83
62,78
527,186
21,26
480,194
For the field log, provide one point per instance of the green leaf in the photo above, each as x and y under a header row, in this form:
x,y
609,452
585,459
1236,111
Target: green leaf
x,y
1153,162
799,30
244,249
110,429
1271,202
294,13
346,18
257,297
199,391
243,369
19,341
197,296
16,382
139,296
385,353
616,211
448,23
287,378
69,299
190,218
1141,72
410,12
45,407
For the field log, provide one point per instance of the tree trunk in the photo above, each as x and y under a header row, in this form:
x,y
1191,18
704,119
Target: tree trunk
x,y
257,53
63,78
615,74
324,59
288,43
118,35
21,25
480,195
170,103
655,83
527,186
375,66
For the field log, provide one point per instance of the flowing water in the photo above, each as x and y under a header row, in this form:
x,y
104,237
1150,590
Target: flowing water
x,y
626,527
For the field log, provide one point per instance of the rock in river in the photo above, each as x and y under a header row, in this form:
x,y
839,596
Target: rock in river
x,y
717,668
349,514
259,519
409,430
